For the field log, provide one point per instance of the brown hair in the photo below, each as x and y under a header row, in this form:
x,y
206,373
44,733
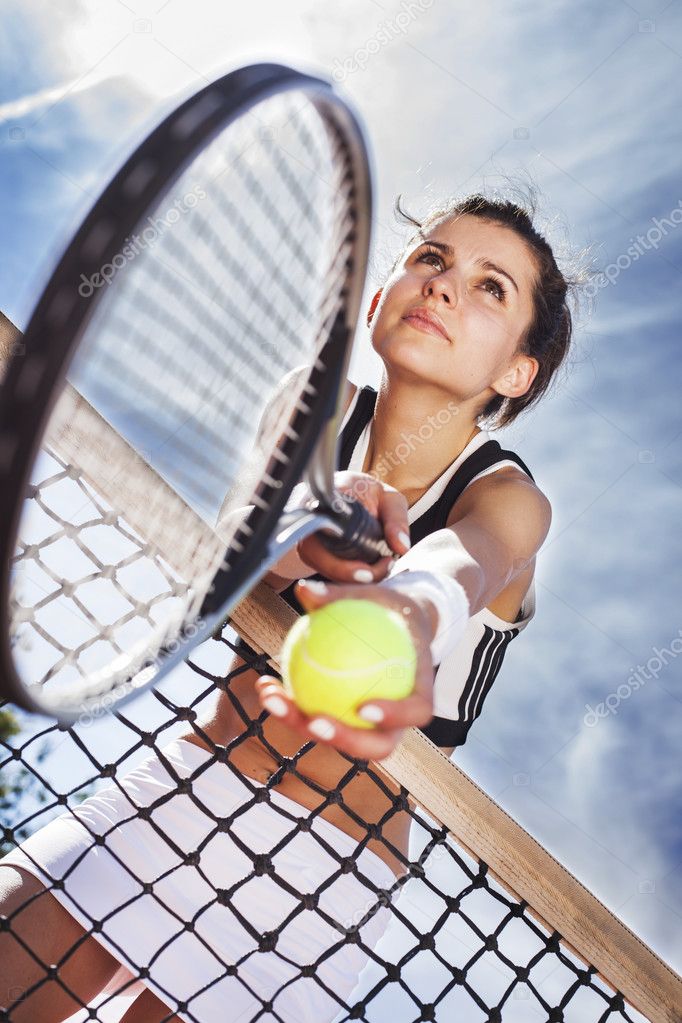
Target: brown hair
x,y
548,337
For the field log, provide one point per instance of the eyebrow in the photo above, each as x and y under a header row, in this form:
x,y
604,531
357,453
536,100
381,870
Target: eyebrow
x,y
486,264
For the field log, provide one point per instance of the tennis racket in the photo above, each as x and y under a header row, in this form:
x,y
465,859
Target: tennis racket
x,y
190,344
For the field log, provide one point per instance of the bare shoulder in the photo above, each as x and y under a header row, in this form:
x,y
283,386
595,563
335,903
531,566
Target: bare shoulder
x,y
509,493
510,507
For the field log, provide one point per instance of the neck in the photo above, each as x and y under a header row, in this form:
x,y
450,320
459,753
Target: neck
x,y
416,433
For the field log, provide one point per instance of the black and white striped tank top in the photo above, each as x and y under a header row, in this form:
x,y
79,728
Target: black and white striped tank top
x,y
465,677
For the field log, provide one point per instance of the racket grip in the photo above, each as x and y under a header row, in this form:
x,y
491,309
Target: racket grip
x,y
363,536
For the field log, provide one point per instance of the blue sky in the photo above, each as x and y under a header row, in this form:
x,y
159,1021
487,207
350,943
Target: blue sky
x,y
584,100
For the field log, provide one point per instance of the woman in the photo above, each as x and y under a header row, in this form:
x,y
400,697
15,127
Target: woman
x,y
471,324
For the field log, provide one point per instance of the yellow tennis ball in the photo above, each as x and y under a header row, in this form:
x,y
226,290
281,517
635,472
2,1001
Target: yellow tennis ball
x,y
345,654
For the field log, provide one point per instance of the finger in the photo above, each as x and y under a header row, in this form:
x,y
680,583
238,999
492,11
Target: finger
x,y
273,697
362,487
313,593
276,701
389,506
394,519
360,743
328,564
412,711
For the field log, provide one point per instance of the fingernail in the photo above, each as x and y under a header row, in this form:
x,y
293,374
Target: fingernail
x,y
404,539
322,729
371,713
363,575
275,705
314,585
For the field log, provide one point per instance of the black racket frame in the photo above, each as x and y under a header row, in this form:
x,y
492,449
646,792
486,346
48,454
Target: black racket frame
x,y
38,367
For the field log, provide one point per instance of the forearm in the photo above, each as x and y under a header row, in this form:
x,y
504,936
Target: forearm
x,y
447,581
443,551
286,570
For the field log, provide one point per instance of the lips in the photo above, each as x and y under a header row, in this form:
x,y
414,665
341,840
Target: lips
x,y
423,319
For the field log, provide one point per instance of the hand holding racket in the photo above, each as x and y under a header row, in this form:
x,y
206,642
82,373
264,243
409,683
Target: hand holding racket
x,y
384,503
224,263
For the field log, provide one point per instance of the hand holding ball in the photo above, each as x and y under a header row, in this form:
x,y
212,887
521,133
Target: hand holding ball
x,y
345,654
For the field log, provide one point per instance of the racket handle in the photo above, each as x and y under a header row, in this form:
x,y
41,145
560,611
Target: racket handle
x,y
363,536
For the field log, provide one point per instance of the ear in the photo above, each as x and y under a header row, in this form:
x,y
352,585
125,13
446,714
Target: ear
x,y
373,304
517,380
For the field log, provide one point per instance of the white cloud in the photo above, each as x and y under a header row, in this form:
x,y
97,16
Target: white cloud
x,y
15,109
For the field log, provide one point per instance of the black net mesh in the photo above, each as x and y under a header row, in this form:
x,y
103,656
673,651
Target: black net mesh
x,y
217,893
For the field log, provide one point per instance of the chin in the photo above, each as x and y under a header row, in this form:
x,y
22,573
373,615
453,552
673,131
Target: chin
x,y
412,365
416,350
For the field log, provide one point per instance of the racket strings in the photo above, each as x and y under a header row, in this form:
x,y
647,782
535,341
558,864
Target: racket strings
x,y
254,365
276,273
181,356
196,452
293,247
212,287
333,297
209,425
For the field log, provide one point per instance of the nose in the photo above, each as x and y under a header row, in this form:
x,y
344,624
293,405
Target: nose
x,y
440,288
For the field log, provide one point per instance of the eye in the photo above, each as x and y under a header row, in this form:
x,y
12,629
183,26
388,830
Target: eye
x,y
431,256
498,289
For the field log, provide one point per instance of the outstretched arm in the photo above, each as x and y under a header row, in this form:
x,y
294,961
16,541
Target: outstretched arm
x,y
499,531
495,535
500,522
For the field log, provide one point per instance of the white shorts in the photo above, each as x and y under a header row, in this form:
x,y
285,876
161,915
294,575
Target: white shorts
x,y
176,928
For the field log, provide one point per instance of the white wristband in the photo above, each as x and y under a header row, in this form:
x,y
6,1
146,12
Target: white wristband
x,y
449,599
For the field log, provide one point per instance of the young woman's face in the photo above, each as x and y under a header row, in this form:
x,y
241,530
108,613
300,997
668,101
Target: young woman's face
x,y
476,278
